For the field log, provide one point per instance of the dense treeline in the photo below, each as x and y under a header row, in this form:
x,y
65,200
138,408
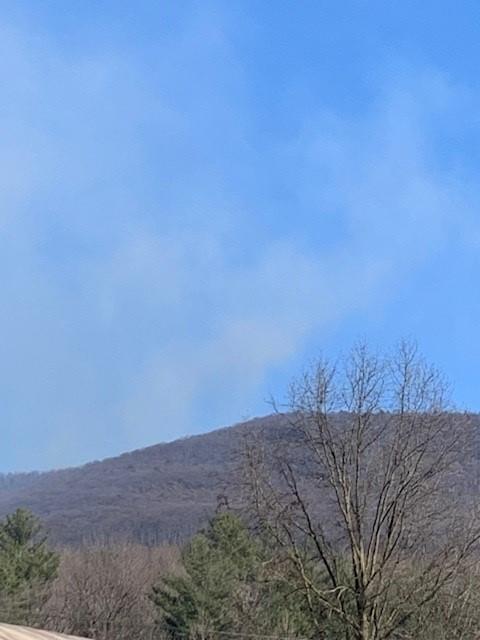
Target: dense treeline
x,y
394,556
101,591
226,582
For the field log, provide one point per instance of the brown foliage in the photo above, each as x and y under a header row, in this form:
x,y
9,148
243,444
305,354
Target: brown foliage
x,y
102,592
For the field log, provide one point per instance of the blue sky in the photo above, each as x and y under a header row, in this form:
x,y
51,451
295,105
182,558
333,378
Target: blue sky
x,y
196,197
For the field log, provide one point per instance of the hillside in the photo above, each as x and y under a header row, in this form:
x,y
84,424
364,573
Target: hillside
x,y
161,493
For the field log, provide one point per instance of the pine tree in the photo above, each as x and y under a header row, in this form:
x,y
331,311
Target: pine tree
x,y
229,586
27,566
221,565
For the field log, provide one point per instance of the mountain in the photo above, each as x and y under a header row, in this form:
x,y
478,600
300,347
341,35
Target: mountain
x,y
161,493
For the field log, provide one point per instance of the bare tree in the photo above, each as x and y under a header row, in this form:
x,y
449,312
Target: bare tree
x,y
364,501
102,592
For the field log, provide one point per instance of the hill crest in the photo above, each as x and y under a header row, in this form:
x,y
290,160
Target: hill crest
x,y
161,493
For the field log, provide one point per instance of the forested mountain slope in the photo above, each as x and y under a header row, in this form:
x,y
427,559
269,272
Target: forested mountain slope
x,y
161,493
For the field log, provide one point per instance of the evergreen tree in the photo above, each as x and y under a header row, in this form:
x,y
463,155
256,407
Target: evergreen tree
x,y
229,585
27,566
218,563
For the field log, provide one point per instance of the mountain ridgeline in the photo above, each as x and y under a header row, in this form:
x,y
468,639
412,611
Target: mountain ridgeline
x,y
162,493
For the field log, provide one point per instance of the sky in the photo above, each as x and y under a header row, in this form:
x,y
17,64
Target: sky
x,y
198,197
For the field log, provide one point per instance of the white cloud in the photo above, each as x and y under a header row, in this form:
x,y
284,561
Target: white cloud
x,y
135,310
379,174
